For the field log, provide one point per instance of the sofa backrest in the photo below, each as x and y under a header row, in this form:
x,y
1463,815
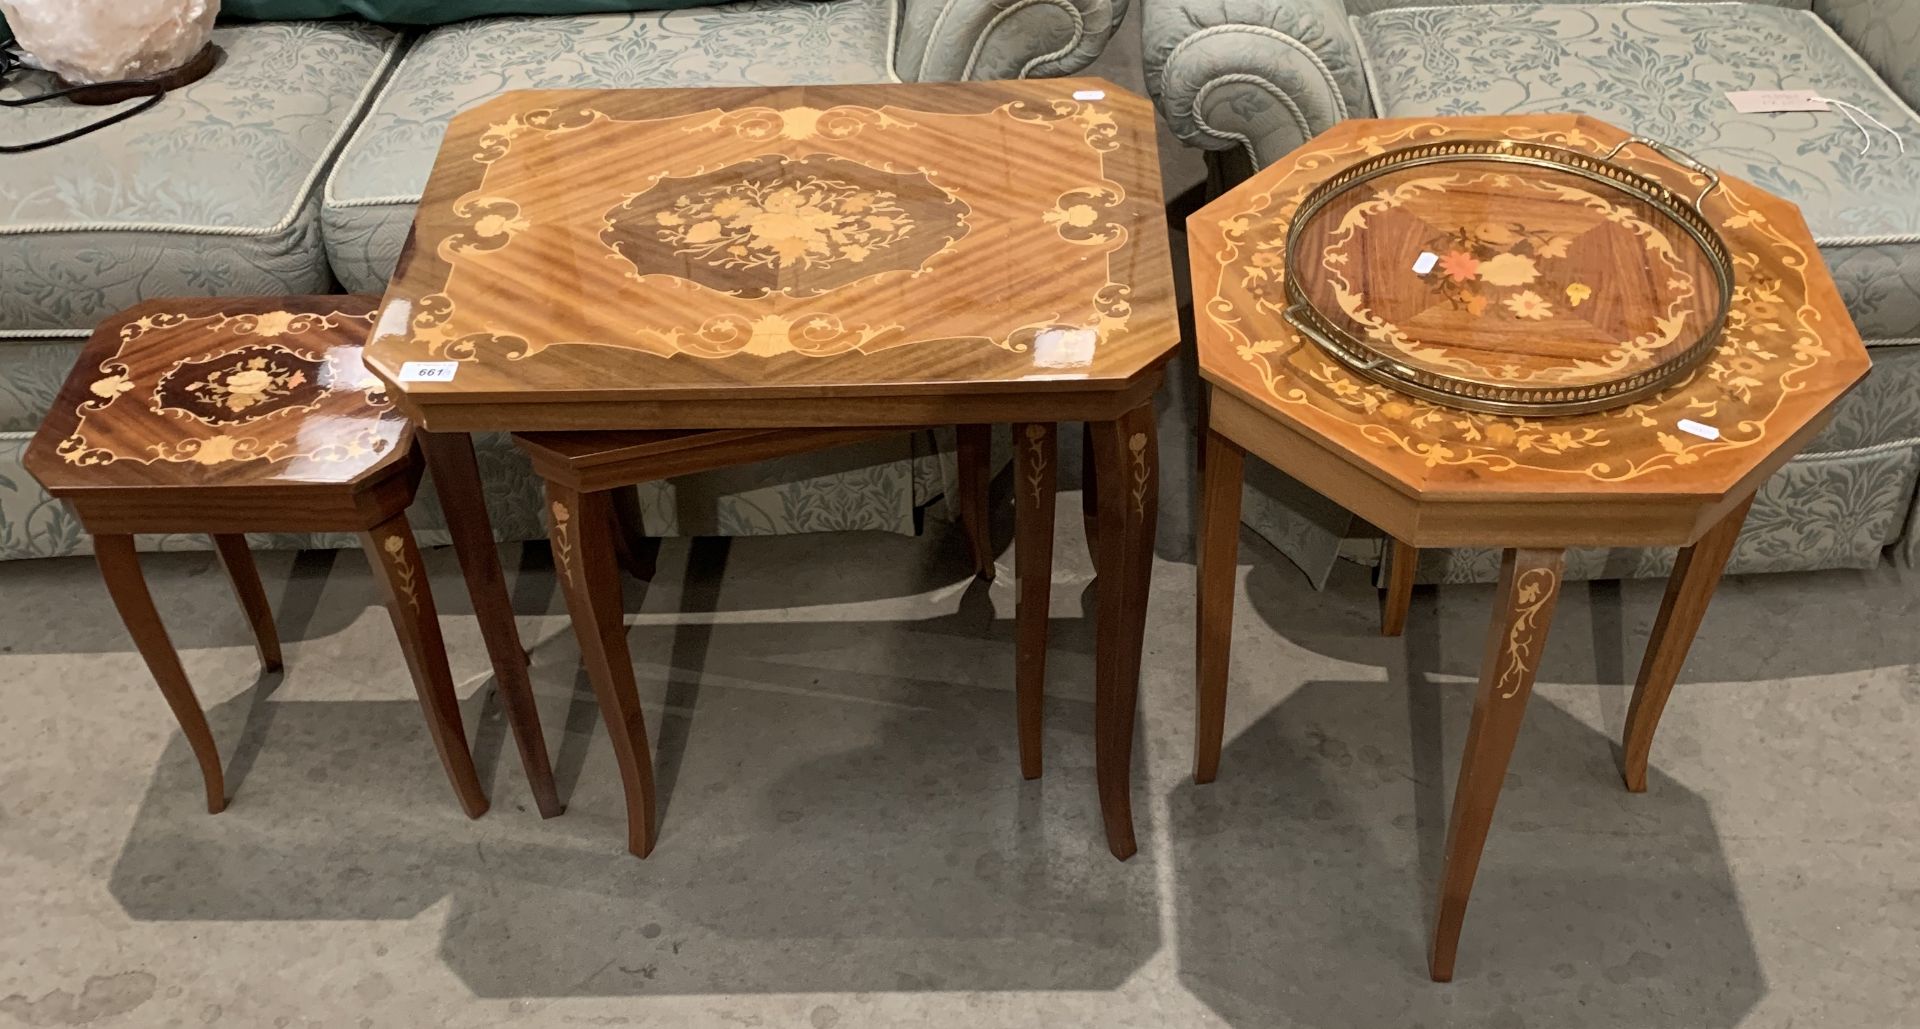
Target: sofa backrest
x,y
1370,6
1886,33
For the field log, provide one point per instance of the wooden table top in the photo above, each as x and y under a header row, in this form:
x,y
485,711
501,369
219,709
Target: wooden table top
x,y
689,257
1789,350
229,392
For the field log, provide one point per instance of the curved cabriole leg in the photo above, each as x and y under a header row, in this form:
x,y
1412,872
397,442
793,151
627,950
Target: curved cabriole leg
x,y
1035,458
456,478
1523,611
581,527
1696,573
395,559
636,551
1223,464
1402,561
1127,454
120,567
245,576
973,453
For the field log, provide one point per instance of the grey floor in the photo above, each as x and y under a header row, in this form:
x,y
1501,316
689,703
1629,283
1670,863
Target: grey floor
x,y
846,840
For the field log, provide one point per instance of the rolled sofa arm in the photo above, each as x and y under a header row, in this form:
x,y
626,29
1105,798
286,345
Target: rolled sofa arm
x,y
1262,76
950,40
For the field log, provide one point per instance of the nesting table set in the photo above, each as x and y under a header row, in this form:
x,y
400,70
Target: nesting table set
x,y
642,284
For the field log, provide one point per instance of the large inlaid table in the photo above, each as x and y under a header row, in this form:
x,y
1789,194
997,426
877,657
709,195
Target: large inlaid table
x,y
1554,285
806,257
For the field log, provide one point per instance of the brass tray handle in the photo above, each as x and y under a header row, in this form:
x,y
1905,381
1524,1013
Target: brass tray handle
x,y
1296,316
1677,155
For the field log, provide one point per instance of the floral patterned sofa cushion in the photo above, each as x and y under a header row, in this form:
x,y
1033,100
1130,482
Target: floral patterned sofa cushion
x,y
1662,69
215,191
372,192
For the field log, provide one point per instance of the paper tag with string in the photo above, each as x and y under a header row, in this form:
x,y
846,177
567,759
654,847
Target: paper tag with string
x,y
1776,101
1779,101
1866,138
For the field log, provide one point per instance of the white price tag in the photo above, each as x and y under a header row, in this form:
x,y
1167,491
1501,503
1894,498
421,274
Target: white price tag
x,y
1425,263
1089,94
428,371
1773,101
1698,429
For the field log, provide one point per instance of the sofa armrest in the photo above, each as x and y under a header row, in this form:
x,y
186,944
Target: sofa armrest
x,y
1263,76
949,40
1886,33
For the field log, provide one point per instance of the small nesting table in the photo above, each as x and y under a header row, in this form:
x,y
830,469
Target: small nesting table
x,y
1677,468
807,258
233,416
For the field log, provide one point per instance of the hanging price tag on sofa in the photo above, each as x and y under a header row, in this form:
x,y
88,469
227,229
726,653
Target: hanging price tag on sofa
x,y
428,371
1773,101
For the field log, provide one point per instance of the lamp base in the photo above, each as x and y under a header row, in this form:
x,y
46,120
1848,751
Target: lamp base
x,y
104,93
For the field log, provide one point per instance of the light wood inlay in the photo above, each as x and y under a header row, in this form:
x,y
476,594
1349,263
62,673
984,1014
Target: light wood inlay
x,y
234,415
1434,476
821,241
835,259
1788,352
203,392
1533,277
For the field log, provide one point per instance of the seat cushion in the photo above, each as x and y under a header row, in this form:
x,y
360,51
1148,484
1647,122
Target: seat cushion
x,y
372,191
1663,70
213,192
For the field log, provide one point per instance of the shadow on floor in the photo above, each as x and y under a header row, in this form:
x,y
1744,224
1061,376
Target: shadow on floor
x,y
832,826
1305,877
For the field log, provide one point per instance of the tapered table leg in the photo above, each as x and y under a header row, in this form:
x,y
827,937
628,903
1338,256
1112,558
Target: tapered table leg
x,y
245,576
395,559
1223,466
636,551
1089,494
1036,455
973,453
1127,456
1690,587
120,566
456,478
1402,561
581,525
1523,610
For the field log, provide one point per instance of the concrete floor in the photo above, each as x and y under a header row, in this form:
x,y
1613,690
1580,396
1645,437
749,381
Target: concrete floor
x,y
846,841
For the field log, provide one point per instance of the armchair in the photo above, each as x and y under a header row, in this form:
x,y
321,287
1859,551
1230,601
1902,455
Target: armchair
x,y
1249,80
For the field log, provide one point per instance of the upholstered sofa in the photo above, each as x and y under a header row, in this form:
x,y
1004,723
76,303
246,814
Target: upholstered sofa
x,y
1249,80
294,168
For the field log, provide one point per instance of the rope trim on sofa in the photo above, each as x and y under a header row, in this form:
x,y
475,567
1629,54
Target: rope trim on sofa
x,y
1250,79
1340,111
323,165
1073,13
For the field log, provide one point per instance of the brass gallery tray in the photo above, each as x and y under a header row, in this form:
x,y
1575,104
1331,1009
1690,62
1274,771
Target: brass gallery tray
x,y
1512,277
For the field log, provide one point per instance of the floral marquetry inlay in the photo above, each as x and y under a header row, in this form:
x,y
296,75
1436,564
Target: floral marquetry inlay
x,y
238,394
799,227
819,235
244,384
1787,349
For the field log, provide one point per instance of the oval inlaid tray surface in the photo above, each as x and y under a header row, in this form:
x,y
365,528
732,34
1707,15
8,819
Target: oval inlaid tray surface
x,y
1512,277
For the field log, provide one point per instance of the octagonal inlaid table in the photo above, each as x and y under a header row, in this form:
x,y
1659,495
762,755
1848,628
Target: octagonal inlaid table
x,y
1470,287
832,257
